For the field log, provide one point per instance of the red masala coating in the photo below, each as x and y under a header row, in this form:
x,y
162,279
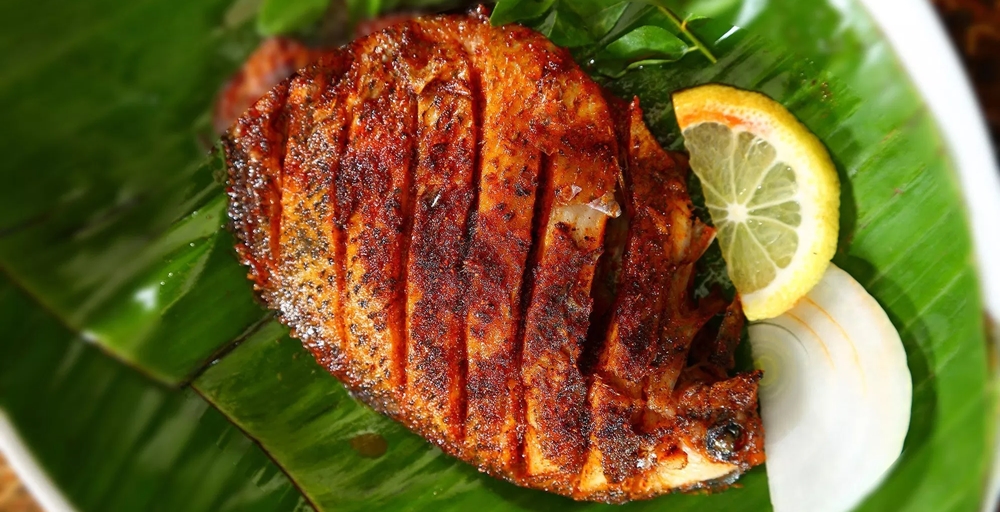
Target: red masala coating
x,y
646,432
428,207
444,190
509,172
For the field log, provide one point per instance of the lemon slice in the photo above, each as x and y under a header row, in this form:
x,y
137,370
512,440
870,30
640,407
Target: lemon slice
x,y
771,190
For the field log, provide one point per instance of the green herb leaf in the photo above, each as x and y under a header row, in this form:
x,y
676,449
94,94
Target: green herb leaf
x,y
568,23
513,11
598,16
634,15
288,16
682,27
646,45
610,37
564,28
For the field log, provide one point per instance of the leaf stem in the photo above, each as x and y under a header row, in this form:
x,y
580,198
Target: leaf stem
x,y
682,26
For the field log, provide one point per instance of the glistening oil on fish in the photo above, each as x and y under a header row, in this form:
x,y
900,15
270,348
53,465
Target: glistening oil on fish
x,y
427,209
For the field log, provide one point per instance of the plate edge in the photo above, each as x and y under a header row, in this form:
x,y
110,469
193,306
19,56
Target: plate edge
x,y
34,477
929,58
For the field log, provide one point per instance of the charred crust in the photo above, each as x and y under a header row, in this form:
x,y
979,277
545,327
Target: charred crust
x,y
415,206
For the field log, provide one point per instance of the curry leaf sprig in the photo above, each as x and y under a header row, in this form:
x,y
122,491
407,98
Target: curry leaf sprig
x,y
608,38
682,26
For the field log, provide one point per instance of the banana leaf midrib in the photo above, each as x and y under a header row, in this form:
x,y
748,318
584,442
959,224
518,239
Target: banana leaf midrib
x,y
126,415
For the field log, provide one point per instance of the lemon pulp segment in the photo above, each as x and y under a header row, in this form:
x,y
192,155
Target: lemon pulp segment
x,y
771,190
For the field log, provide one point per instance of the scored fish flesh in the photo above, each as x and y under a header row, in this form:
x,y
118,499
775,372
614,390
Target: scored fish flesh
x,y
478,241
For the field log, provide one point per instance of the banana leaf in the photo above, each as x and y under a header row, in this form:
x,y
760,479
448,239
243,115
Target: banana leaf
x,y
108,105
115,234
113,440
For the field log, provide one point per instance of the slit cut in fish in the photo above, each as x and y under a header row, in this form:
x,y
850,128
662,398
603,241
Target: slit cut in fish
x,y
483,244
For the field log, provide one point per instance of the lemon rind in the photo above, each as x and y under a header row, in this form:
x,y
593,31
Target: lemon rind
x,y
818,190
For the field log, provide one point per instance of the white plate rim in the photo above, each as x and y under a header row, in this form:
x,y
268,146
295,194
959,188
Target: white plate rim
x,y
34,478
926,53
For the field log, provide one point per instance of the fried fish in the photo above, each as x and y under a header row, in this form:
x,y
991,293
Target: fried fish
x,y
475,239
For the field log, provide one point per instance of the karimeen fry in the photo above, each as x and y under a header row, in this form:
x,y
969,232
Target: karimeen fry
x,y
427,209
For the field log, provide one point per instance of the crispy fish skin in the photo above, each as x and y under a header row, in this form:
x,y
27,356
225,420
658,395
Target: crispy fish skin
x,y
426,208
649,431
575,126
443,194
373,208
255,152
307,241
509,172
629,348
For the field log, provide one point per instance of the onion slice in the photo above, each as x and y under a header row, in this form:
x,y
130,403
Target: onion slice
x,y
835,396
